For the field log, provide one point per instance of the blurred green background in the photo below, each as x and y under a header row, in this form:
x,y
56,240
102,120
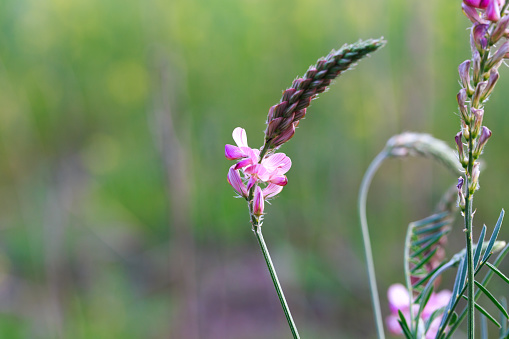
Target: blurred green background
x,y
116,217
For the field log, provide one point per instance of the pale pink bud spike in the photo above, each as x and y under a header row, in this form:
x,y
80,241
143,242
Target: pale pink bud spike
x,y
235,180
258,202
459,145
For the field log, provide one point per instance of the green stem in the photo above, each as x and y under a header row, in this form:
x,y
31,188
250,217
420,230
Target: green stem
x,y
470,247
363,195
258,232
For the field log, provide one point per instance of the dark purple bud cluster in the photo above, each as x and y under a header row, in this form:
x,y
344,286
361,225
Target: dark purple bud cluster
x,y
284,117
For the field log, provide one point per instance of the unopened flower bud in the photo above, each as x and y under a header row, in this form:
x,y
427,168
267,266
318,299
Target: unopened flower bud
x,y
493,11
461,196
479,90
464,72
258,202
498,56
500,29
478,116
474,181
478,36
459,145
462,97
492,80
476,66
464,129
285,135
471,13
483,139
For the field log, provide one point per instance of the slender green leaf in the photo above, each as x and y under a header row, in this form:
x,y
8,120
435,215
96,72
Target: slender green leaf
x,y
424,261
493,299
494,235
404,325
432,228
432,238
497,271
428,220
463,313
442,268
432,317
478,247
486,313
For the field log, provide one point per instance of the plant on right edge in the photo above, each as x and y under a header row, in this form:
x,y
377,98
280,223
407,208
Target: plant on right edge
x,y
417,311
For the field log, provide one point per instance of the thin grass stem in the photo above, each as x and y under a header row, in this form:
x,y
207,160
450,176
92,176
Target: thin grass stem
x,y
258,232
363,194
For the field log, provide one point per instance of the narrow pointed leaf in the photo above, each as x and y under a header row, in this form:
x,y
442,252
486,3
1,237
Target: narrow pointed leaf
x,y
430,219
494,235
497,271
432,238
442,268
478,247
493,299
483,311
404,325
432,228
424,261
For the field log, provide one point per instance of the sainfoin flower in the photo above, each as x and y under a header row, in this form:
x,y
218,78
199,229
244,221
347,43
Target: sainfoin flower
x,y
399,299
271,169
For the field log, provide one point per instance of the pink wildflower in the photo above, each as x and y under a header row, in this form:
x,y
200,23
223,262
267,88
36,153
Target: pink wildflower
x,y
271,169
399,299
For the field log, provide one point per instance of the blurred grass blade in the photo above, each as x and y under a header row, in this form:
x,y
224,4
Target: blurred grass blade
x,y
484,327
494,235
503,321
492,298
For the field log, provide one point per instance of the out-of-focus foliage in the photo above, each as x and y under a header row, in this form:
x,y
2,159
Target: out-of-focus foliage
x,y
116,218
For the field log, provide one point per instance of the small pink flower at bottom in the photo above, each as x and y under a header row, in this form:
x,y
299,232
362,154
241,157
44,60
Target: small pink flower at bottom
x,y
399,299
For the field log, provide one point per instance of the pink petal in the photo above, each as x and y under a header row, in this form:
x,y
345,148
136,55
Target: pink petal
x,y
398,298
393,324
493,11
271,190
235,180
233,152
240,137
436,301
278,162
473,3
280,180
251,183
258,202
243,163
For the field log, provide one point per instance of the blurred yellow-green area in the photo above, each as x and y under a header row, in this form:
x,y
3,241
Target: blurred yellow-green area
x,y
116,217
